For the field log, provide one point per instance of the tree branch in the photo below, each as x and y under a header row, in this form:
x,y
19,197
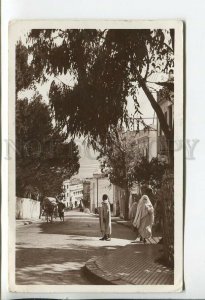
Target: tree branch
x,y
148,62
169,48
155,106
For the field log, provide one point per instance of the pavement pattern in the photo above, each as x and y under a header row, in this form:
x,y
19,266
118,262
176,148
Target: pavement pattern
x,y
70,252
134,264
55,254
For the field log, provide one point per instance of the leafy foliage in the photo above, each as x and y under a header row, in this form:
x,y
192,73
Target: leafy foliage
x,y
104,67
149,172
124,165
43,159
24,71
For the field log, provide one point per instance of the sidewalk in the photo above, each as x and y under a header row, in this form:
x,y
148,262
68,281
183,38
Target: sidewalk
x,y
134,264
153,240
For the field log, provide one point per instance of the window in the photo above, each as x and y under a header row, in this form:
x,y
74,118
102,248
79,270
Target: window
x,y
145,152
170,116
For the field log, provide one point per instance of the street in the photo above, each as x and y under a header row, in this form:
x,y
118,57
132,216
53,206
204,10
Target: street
x,y
55,254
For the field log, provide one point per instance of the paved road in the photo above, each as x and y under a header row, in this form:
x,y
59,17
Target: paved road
x,y
56,253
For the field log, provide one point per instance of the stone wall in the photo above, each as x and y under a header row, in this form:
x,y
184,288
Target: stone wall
x,y
27,208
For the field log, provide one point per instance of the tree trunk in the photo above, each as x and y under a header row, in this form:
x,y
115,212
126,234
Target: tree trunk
x,y
166,195
169,134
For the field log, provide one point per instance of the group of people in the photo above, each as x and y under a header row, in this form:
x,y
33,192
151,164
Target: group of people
x,y
50,207
141,215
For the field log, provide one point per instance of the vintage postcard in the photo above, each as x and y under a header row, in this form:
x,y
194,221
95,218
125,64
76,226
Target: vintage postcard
x,y
96,166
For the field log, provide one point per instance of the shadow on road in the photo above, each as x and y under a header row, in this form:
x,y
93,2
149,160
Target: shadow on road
x,y
55,253
55,266
85,226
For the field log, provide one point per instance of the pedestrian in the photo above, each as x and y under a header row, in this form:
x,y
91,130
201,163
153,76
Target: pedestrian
x,y
61,208
105,219
71,204
133,210
144,218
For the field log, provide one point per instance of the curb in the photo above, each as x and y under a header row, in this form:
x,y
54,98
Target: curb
x,y
124,223
88,269
101,277
149,273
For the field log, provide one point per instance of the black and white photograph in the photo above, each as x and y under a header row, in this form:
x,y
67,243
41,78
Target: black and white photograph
x,y
96,168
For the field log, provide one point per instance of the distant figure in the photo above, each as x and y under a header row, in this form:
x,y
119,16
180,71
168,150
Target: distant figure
x,y
144,218
71,205
105,219
81,206
61,208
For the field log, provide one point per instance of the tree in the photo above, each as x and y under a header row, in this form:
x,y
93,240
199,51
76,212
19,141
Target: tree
x,y
43,158
106,67
149,172
124,165
26,74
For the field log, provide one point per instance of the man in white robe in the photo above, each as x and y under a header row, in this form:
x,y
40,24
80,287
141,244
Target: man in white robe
x,y
105,219
144,218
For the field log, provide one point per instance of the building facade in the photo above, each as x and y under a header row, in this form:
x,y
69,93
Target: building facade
x,y
100,185
143,143
165,98
147,142
73,193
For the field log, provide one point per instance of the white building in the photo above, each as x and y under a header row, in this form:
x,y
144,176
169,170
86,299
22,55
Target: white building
x,y
165,98
73,193
147,142
143,142
100,185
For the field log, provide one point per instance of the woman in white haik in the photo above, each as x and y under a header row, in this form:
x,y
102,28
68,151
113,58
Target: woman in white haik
x,y
105,219
144,218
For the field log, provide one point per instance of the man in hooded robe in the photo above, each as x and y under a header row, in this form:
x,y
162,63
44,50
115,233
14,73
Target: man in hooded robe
x,y
144,218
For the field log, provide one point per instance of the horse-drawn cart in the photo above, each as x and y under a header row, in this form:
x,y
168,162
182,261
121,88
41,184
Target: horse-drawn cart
x,y
50,208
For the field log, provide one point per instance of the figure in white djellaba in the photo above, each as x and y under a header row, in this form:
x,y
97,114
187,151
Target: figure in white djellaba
x,y
105,219
144,218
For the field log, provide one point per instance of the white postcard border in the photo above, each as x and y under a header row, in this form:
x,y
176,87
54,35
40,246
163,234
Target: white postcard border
x,y
17,27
